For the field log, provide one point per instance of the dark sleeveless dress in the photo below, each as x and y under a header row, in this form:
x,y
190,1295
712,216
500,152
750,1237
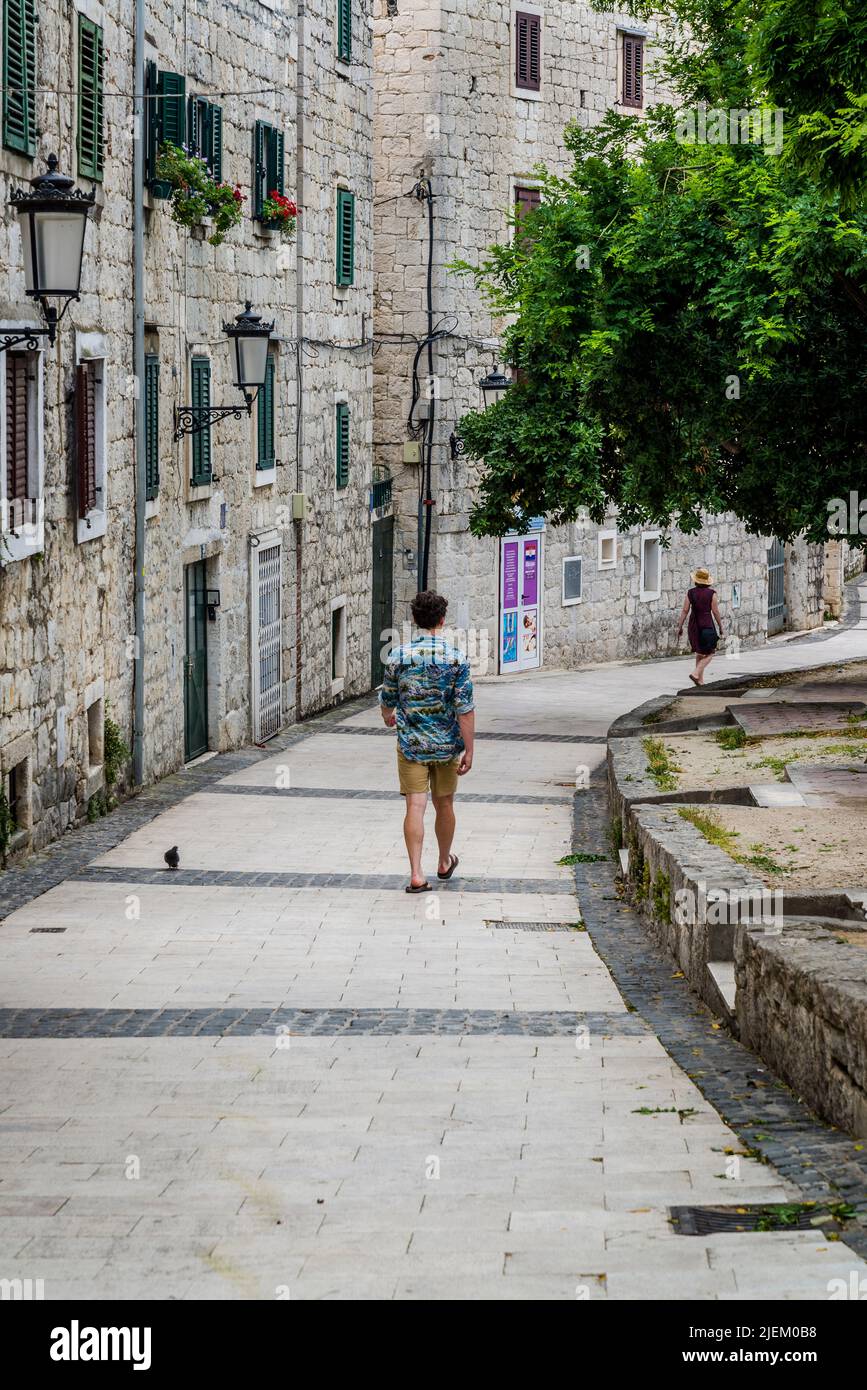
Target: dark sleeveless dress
x,y
700,617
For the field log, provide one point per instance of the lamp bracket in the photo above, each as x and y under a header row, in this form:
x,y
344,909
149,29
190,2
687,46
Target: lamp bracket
x,y
28,336
193,419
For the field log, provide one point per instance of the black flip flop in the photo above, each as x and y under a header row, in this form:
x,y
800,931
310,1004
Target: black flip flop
x,y
422,888
454,865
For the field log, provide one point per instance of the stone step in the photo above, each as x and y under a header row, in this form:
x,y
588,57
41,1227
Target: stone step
x,y
758,719
721,982
776,794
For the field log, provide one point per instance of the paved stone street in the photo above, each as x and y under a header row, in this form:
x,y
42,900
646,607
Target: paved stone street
x,y
274,1074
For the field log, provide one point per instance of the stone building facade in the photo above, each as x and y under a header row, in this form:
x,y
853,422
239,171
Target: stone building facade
x,y
258,544
471,95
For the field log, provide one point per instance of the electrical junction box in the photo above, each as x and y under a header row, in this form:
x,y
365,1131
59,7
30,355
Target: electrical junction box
x,y
412,451
299,506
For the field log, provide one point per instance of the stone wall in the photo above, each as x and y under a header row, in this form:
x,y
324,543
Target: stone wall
x,y
67,610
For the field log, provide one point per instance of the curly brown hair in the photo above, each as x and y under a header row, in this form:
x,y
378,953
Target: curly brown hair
x,y
428,609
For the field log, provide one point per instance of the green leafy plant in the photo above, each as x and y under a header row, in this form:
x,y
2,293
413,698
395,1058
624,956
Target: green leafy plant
x,y
662,897
196,194
583,859
731,738
661,764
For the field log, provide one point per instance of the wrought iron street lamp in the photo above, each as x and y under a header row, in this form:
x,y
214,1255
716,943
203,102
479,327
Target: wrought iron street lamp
x,y
53,220
492,387
249,338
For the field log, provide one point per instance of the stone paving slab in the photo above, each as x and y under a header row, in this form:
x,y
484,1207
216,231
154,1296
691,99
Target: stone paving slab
x,y
759,720
829,786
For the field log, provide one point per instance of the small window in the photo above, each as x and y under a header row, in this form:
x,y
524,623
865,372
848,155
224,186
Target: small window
x,y
95,735
345,236
265,419
205,126
632,75
338,644
90,89
607,550
268,164
528,51
572,580
344,30
152,425
651,567
18,795
200,393
342,444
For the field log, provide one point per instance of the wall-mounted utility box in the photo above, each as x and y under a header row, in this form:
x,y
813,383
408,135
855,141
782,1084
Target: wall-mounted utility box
x,y
299,506
412,451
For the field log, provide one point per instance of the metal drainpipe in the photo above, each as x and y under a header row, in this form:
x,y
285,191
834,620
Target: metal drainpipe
x,y
300,133
138,353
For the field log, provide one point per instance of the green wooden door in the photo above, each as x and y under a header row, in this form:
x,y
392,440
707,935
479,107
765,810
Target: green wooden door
x,y
196,663
381,616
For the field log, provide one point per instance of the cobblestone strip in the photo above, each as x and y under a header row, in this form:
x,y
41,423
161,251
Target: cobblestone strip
x,y
240,878
175,1023
342,794
824,1163
500,737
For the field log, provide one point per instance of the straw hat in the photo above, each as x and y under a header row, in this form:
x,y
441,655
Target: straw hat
x,y
701,576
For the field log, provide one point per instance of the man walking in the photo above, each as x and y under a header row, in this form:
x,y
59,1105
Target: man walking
x,y
427,692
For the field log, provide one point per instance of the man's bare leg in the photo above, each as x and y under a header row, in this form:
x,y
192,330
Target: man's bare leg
x,y
413,834
445,829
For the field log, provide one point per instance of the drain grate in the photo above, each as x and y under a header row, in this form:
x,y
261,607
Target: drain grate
x,y
708,1221
534,926
52,929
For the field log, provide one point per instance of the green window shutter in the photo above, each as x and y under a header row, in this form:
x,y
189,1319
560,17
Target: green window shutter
x,y
345,237
265,422
167,120
152,425
260,170
344,30
276,150
19,75
342,443
196,121
171,88
90,90
215,141
200,368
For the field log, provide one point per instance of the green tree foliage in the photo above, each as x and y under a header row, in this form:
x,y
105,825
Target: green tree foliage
x,y
689,321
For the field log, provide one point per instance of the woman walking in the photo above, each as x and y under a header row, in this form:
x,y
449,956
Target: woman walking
x,y
701,605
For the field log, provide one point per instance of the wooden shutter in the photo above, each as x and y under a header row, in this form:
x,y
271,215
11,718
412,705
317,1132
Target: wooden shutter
x,y
215,142
152,425
345,237
85,436
90,89
527,200
171,88
342,443
260,169
344,30
633,71
200,368
265,419
276,160
528,51
151,118
17,426
19,75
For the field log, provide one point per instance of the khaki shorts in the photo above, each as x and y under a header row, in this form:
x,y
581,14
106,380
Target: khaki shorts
x,y
440,779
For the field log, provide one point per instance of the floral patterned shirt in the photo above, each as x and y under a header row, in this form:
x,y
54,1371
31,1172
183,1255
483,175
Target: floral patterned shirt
x,y
427,681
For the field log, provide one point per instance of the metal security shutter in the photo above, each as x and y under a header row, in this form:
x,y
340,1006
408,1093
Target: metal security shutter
x,y
265,419
528,51
200,369
633,71
19,75
266,635
90,89
342,444
17,426
344,30
776,586
345,236
152,425
85,436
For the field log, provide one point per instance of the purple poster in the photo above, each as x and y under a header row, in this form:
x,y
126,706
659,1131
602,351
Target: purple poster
x,y
531,572
510,574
